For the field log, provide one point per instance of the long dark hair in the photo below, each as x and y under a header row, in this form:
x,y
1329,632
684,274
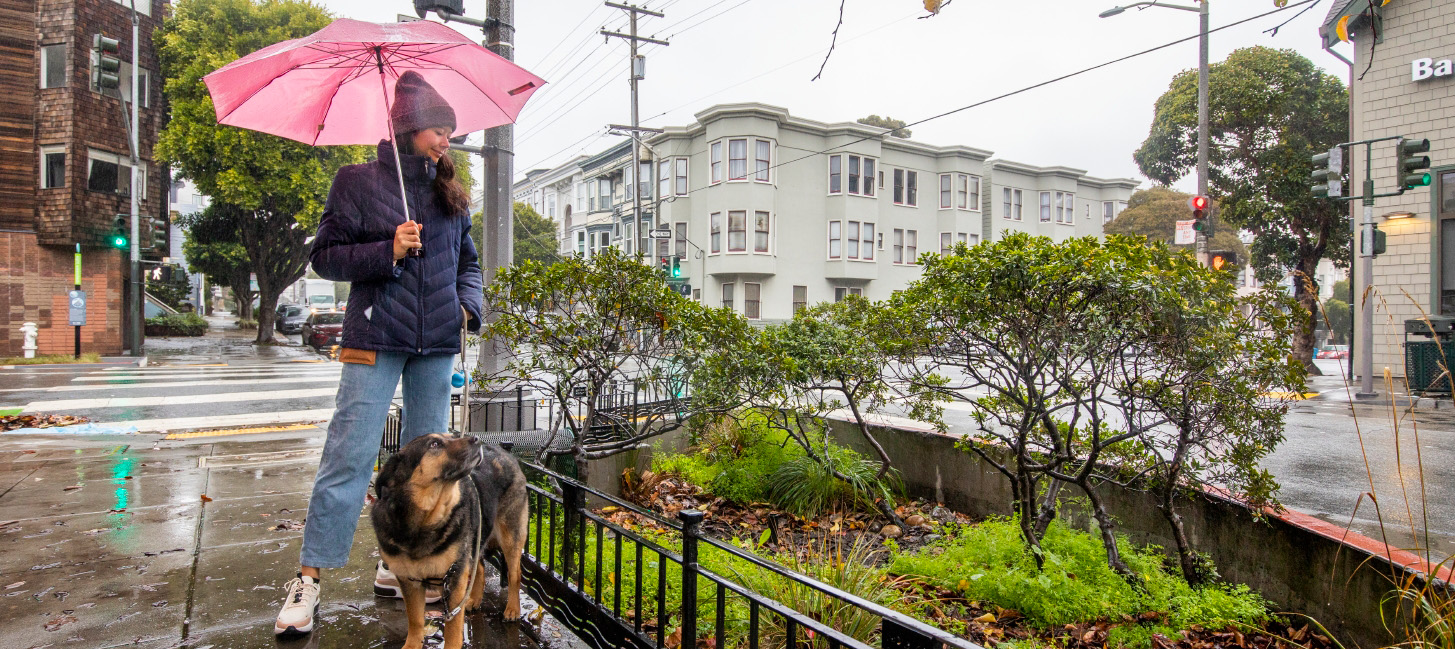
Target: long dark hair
x,y
447,189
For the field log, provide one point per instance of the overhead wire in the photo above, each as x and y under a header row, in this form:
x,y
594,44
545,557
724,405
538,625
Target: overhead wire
x,y
1025,89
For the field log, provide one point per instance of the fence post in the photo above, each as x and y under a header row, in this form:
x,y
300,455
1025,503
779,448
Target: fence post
x,y
519,408
691,520
572,499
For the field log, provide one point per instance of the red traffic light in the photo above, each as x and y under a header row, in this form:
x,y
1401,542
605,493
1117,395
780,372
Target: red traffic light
x,y
1218,261
1198,203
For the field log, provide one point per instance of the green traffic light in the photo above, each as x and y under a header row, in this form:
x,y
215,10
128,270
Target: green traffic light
x,y
118,241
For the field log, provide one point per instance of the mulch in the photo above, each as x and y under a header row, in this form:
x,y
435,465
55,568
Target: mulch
x,y
762,525
17,422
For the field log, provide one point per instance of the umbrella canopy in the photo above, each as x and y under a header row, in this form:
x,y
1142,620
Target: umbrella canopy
x,y
335,86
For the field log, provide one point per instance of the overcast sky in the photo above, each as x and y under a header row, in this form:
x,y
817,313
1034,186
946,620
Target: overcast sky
x,y
887,62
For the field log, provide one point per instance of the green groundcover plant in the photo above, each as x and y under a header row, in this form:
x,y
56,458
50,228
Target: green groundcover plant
x,y
989,562
178,324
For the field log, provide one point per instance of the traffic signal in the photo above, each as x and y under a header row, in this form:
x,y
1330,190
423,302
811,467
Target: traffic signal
x,y
451,7
664,264
1328,175
119,237
1220,259
676,267
1411,163
106,72
1375,242
157,238
1199,206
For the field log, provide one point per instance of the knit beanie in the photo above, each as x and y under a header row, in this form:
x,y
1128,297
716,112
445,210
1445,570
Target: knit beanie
x,y
417,105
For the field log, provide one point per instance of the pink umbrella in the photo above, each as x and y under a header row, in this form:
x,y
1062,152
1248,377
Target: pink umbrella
x,y
336,85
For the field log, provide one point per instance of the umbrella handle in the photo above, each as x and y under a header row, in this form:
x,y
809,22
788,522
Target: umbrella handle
x,y
393,139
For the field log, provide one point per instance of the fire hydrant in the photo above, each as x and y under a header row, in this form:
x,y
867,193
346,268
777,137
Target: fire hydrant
x,y
29,329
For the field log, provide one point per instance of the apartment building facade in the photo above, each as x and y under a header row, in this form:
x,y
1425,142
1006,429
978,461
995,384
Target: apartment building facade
x,y
65,171
769,212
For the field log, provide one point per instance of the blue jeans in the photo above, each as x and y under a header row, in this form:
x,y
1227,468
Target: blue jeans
x,y
354,433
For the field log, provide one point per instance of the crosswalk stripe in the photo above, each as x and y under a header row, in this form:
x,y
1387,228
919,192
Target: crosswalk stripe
x,y
188,423
292,371
69,405
236,382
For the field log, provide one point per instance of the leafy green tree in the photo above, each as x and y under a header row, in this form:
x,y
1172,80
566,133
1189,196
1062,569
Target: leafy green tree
x,y
895,126
276,186
1339,314
1055,348
605,330
1270,111
212,248
536,237
1154,213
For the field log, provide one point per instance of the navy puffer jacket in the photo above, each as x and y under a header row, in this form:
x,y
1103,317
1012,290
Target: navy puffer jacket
x,y
412,306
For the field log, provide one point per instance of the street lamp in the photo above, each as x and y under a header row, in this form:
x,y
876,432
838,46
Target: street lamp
x,y
1202,67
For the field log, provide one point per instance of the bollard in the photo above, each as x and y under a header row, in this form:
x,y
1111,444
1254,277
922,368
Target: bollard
x,y
29,329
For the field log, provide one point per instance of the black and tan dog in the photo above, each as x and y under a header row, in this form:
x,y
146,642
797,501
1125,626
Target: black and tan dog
x,y
443,501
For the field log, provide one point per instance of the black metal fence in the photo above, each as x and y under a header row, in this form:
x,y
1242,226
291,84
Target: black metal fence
x,y
645,588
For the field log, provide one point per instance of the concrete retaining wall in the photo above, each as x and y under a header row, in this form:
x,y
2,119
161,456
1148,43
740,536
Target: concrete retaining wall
x,y
1300,563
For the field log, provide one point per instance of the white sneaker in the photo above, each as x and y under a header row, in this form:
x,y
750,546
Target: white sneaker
x,y
299,607
387,585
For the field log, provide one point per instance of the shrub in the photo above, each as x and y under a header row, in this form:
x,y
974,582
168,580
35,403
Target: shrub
x,y
989,562
850,569
806,487
176,324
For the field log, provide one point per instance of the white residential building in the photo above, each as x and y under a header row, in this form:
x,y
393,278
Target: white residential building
x,y
769,212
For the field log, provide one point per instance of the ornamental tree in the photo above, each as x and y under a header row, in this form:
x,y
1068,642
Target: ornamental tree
x,y
611,342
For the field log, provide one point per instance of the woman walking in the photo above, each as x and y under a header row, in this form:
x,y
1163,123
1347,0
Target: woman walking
x,y
403,321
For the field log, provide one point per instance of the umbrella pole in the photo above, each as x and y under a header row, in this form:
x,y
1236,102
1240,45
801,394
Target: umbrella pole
x,y
393,139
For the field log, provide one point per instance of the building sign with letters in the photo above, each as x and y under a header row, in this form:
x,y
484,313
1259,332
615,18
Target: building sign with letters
x,y
1421,69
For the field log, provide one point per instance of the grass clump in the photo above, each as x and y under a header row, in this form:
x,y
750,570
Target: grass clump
x,y
743,460
50,359
989,562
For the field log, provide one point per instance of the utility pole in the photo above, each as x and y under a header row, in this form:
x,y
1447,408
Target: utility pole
x,y
637,71
134,139
1202,119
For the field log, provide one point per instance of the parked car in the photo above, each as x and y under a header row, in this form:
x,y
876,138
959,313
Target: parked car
x,y
323,329
290,318
1334,351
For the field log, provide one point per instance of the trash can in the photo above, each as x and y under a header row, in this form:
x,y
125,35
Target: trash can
x,y
1428,357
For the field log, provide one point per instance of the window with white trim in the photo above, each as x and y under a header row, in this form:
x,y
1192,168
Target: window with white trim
x,y
762,161
906,187
1012,201
860,171
737,231
664,178
603,193
869,164
714,228
53,66
800,298
842,292
868,242
947,242
680,186
52,167
967,192
715,162
898,246
581,242
761,223
836,174
680,247
644,179
946,193
851,238
727,294
836,243
752,294
1111,209
738,159
551,205
1065,207
911,246
1045,207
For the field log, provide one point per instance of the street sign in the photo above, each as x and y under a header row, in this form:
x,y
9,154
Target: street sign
x,y
78,307
1185,233
682,288
660,234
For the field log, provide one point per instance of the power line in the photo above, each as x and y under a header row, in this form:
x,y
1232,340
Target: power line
x,y
589,136
563,39
1034,86
565,109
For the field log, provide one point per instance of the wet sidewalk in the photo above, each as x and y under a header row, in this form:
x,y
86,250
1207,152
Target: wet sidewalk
x,y
108,542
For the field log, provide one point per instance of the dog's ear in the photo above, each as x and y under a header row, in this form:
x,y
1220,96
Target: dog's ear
x,y
388,475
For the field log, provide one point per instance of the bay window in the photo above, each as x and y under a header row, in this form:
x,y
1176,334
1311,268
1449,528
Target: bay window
x,y
761,223
763,162
737,159
737,231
